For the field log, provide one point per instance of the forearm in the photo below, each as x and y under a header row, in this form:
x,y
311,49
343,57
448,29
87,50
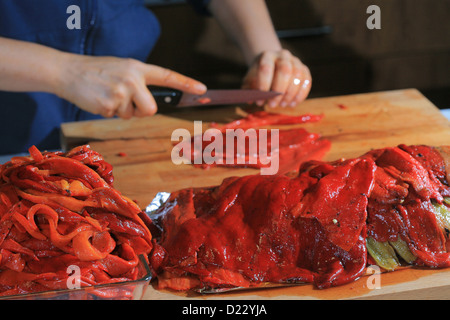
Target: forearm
x,y
102,85
26,66
248,23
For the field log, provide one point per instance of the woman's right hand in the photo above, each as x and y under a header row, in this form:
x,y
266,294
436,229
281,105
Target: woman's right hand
x,y
112,86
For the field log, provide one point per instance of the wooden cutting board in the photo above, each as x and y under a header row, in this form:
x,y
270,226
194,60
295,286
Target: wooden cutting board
x,y
140,151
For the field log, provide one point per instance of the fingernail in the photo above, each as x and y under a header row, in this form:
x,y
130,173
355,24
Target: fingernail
x,y
293,104
201,87
283,104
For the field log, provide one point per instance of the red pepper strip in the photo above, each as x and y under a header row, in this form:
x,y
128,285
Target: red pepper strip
x,y
116,293
5,204
8,197
5,226
29,226
157,257
62,241
6,219
40,245
68,216
139,244
73,169
11,278
100,275
102,245
52,264
27,178
77,189
94,160
111,200
35,153
263,118
116,266
55,200
70,187
13,246
59,240
120,224
13,261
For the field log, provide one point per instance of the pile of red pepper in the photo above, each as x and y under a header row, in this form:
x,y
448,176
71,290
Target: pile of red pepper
x,y
59,210
323,226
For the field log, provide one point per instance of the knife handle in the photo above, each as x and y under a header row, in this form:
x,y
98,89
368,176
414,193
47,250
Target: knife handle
x,y
165,95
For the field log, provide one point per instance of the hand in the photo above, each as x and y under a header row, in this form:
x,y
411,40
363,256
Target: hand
x,y
116,86
282,72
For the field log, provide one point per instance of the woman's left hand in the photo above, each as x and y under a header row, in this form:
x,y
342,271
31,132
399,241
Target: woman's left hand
x,y
282,72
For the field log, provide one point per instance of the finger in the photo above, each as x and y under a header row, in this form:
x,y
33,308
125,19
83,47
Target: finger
x,y
250,80
282,76
263,74
144,102
167,78
305,86
125,110
265,71
121,97
108,112
295,84
292,91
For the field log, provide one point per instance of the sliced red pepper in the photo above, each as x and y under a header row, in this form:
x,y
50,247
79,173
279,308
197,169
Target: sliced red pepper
x,y
73,169
264,118
47,223
35,154
102,244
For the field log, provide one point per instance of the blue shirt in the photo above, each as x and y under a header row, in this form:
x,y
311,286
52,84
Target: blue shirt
x,y
121,28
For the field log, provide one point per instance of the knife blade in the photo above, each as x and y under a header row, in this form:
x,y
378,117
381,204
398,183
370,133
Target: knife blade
x,y
211,97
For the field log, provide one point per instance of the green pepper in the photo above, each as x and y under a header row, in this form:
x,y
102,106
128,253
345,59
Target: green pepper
x,y
383,254
402,249
443,213
447,200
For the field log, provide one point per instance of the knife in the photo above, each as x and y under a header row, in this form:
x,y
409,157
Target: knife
x,y
211,97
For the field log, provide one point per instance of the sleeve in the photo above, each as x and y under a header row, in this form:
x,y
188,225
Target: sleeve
x,y
200,6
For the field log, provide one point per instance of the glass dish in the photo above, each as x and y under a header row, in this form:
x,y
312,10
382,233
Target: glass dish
x,y
127,290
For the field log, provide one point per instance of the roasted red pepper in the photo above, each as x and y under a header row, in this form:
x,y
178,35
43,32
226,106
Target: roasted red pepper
x,y
254,150
264,118
58,210
309,228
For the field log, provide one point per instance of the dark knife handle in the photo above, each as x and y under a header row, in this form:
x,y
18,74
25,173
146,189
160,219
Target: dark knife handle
x,y
165,95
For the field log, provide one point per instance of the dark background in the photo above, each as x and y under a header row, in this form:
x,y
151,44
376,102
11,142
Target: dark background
x,y
412,49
